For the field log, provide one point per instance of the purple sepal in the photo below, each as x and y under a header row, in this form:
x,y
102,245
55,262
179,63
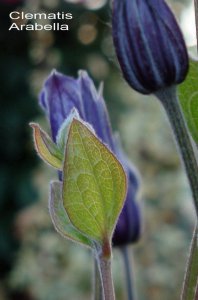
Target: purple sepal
x,y
61,94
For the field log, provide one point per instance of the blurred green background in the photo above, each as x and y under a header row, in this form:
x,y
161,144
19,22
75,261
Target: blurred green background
x,y
35,262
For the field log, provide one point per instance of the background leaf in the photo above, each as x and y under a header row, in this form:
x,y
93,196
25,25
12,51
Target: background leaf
x,y
94,184
188,96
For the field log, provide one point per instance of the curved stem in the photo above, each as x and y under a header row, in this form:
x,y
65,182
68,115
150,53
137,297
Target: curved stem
x,y
191,276
128,272
170,102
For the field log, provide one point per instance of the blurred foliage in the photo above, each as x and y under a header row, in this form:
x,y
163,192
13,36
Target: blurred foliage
x,y
17,158
48,267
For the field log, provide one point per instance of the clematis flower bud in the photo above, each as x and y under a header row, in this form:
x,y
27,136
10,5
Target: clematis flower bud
x,y
60,95
128,228
149,44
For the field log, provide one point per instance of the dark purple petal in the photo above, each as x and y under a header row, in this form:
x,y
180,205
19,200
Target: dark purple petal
x,y
149,44
95,109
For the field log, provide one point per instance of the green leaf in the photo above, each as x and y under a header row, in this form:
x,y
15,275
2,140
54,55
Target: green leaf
x,y
188,96
46,148
60,218
94,184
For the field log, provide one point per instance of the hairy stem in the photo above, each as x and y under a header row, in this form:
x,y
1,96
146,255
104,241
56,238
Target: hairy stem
x,y
190,286
103,256
170,102
106,276
128,272
98,289
191,276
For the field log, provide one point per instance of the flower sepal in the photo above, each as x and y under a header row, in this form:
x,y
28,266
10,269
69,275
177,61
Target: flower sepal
x,y
46,148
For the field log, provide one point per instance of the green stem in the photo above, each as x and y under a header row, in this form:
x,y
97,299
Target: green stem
x,y
196,18
128,272
191,276
170,102
103,256
106,278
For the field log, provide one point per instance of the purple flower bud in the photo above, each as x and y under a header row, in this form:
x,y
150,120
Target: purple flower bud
x,y
128,228
149,44
59,96
62,93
